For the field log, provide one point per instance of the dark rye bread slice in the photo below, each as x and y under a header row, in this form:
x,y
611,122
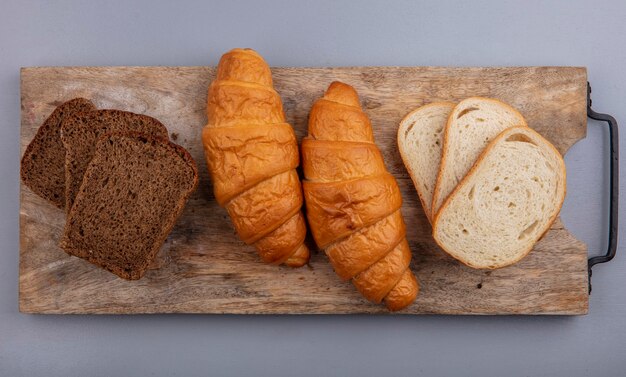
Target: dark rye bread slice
x,y
80,133
43,164
133,191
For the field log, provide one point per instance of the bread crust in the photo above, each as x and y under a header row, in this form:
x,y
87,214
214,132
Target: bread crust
x,y
436,192
471,173
358,251
81,131
73,248
42,167
403,153
403,293
251,154
353,203
242,157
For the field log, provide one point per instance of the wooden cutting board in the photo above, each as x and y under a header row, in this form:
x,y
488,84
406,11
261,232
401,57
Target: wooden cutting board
x,y
204,268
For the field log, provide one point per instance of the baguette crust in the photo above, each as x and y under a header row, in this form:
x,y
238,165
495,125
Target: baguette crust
x,y
468,179
251,155
353,203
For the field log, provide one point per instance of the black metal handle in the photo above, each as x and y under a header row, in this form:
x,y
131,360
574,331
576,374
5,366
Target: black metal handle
x,y
614,185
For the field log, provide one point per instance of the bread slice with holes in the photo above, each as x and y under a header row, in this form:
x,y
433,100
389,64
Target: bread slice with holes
x,y
420,139
80,132
133,190
505,203
473,123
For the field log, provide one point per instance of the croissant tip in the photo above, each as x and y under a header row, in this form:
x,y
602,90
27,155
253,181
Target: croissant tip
x,y
342,93
245,50
339,85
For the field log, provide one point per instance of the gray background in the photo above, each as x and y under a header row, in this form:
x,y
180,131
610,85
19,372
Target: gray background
x,y
322,33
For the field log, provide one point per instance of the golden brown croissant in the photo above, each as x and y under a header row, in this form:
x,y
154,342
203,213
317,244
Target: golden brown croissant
x,y
353,203
252,154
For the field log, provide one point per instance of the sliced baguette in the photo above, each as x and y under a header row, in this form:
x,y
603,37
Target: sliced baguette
x,y
506,202
420,139
473,123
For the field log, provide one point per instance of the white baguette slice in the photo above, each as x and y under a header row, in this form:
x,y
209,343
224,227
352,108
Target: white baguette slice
x,y
420,139
473,123
506,202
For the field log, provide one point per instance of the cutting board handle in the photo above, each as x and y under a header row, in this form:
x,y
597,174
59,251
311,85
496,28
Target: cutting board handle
x,y
614,184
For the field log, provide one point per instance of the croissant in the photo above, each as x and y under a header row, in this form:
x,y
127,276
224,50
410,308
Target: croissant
x,y
252,154
353,203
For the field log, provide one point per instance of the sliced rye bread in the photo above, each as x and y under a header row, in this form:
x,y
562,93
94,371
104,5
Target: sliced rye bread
x,y
43,164
505,203
473,123
133,191
80,133
420,139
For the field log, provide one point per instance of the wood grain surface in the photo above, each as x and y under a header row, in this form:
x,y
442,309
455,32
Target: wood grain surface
x,y
204,268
